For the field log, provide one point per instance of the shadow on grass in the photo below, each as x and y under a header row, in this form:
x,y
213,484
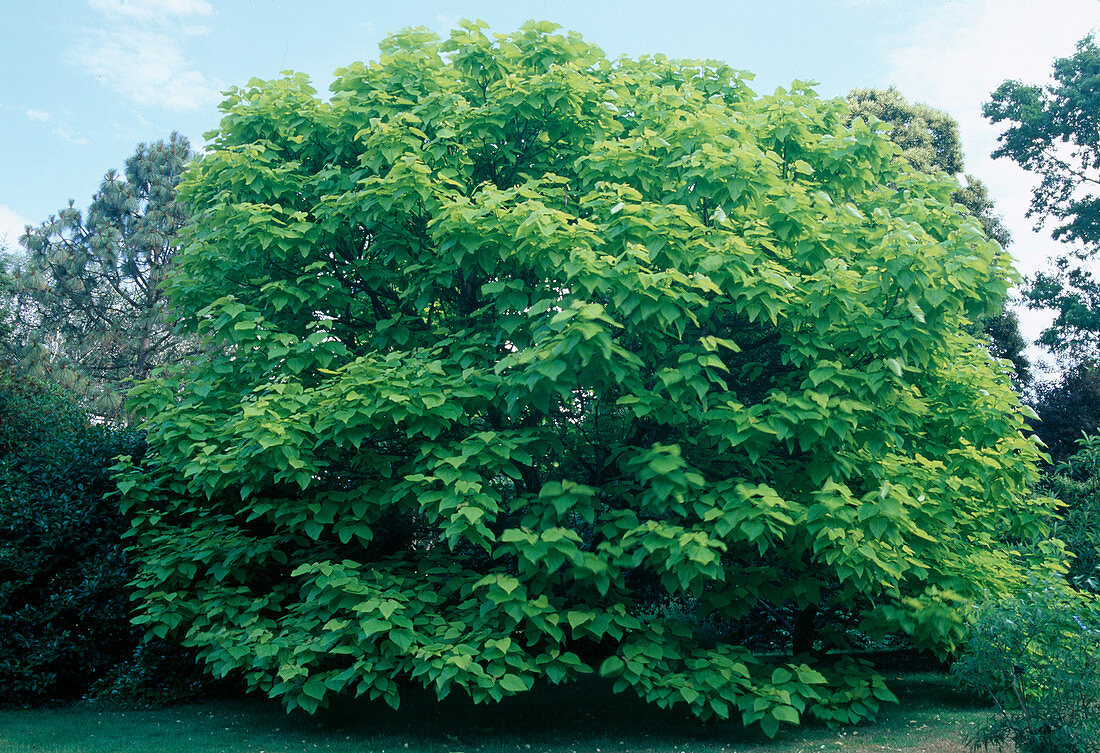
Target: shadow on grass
x,y
933,690
582,717
586,710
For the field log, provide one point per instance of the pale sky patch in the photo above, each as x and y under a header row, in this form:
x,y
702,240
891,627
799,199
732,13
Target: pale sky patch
x,y
147,64
65,132
148,68
152,10
955,59
11,227
61,129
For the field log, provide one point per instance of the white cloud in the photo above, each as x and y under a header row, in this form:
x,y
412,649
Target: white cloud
x,y
146,67
954,60
62,129
11,227
65,132
139,53
152,10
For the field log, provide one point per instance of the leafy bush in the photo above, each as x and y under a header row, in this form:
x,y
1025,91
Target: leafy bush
x,y
158,672
65,596
1076,482
527,364
1037,656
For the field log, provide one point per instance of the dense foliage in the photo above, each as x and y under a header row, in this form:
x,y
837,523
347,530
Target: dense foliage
x,y
1037,657
1076,483
1069,406
1054,132
526,364
929,140
64,596
88,303
7,305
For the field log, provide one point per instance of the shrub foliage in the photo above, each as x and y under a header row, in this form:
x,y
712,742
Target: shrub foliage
x,y
1075,482
1036,655
64,595
531,364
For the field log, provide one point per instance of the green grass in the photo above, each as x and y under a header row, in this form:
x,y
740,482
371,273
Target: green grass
x,y
583,719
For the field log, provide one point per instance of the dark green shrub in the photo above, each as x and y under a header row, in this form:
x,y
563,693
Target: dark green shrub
x,y
156,673
64,574
1069,407
1076,481
1037,656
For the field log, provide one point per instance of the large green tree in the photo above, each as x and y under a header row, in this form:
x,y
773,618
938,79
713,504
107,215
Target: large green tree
x,y
929,140
89,307
527,363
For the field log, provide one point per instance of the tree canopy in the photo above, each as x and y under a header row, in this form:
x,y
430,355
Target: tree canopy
x,y
88,307
929,140
526,364
1054,132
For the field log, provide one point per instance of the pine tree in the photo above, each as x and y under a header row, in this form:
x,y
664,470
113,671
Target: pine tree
x,y
88,304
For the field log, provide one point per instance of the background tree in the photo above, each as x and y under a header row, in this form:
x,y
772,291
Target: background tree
x,y
527,363
1076,482
1069,408
1054,132
91,311
929,140
8,316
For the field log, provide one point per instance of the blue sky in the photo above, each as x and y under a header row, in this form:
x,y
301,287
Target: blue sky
x,y
85,80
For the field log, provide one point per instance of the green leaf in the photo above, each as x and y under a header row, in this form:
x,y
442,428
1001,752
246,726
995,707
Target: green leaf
x,y
612,666
373,625
785,714
513,683
314,688
769,725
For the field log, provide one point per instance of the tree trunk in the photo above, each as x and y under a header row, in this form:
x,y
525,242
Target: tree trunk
x,y
802,639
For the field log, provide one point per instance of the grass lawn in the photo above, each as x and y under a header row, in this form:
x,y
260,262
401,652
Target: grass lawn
x,y
585,718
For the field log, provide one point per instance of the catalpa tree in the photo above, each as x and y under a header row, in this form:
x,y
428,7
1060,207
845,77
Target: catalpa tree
x,y
528,364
